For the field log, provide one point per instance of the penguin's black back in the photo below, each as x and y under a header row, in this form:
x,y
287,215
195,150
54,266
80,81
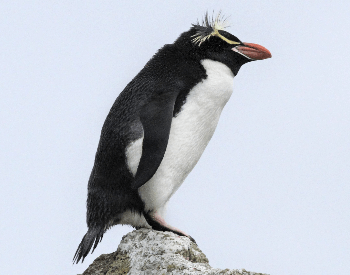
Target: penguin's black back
x,y
170,72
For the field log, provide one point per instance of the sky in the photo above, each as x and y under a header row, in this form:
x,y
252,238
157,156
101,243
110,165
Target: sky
x,y
270,193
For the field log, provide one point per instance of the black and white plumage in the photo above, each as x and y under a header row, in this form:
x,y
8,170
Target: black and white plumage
x,y
158,128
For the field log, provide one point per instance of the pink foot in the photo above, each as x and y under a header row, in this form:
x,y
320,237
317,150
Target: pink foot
x,y
158,223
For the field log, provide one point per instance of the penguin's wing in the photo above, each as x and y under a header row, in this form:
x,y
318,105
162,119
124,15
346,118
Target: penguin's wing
x,y
156,117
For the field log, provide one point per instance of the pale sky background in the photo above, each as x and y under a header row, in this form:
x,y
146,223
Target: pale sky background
x,y
271,192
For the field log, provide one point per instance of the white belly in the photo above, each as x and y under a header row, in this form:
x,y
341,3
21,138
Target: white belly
x,y
190,133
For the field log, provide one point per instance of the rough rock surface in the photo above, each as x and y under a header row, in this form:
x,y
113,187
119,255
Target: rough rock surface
x,y
146,252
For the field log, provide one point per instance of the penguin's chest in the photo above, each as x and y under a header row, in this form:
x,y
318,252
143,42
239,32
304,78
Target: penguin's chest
x,y
190,132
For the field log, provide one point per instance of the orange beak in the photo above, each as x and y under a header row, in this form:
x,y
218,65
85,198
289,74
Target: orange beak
x,y
253,51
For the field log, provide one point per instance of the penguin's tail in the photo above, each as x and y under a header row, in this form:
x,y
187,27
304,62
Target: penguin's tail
x,y
91,238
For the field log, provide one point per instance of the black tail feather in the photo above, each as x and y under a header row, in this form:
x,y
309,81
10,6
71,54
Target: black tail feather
x,y
91,238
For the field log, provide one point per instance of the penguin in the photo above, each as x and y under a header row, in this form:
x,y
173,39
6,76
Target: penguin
x,y
158,128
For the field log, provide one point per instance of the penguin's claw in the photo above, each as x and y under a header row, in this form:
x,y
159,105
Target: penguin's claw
x,y
159,224
192,240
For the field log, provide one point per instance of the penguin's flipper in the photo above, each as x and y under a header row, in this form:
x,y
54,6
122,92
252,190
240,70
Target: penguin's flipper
x,y
156,117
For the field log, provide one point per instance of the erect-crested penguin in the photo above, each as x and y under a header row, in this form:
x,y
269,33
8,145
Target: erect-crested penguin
x,y
158,128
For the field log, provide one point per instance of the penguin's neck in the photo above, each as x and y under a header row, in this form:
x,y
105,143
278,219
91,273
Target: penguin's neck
x,y
216,89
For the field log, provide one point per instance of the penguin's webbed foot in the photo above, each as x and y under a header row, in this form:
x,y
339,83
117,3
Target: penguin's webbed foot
x,y
158,223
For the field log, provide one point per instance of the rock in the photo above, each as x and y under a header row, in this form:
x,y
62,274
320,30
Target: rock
x,y
146,252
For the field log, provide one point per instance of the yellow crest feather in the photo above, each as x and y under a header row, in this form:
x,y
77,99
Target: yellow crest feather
x,y
211,27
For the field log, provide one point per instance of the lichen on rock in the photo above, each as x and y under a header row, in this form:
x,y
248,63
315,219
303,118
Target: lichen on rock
x,y
147,252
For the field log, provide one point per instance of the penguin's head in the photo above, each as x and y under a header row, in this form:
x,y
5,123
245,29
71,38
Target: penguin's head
x,y
209,40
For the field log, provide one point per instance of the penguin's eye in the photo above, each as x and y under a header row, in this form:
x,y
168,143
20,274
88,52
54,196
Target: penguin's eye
x,y
202,36
231,42
228,38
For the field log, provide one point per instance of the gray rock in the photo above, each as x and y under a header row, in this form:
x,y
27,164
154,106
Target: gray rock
x,y
146,252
